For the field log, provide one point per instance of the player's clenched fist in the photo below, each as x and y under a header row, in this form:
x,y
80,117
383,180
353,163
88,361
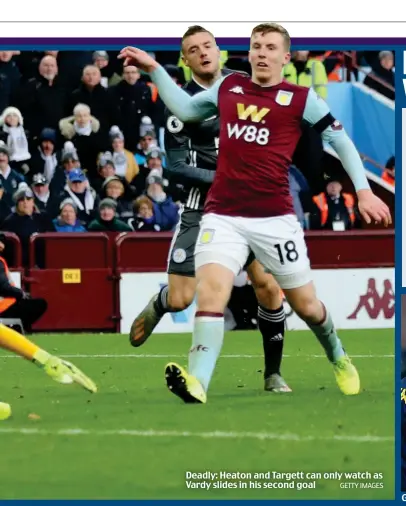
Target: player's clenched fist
x,y
372,207
138,58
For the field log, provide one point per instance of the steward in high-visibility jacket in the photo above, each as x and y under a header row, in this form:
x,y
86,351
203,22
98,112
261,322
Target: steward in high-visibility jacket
x,y
14,302
336,213
9,293
310,74
388,177
388,174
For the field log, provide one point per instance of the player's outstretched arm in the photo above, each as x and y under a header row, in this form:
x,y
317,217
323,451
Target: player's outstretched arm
x,y
317,113
187,108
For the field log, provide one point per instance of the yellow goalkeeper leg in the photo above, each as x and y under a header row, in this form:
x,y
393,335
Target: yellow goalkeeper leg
x,y
17,343
58,369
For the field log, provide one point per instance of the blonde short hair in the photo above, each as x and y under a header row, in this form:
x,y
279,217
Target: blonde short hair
x,y
265,28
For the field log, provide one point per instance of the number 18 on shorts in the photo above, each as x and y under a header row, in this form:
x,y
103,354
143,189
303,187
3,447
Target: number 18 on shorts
x,y
277,243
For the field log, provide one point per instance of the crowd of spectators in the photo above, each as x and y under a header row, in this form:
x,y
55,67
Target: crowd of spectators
x,y
81,146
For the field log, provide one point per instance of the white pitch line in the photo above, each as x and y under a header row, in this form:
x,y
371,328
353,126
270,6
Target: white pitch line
x,y
204,435
133,355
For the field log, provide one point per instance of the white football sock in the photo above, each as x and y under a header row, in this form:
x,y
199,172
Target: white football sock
x,y
328,338
208,334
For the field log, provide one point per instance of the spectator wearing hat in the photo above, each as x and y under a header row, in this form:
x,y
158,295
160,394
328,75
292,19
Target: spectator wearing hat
x,y
106,169
67,221
15,137
147,142
124,160
43,99
144,216
40,189
25,220
15,303
45,158
10,178
96,97
83,130
156,160
108,75
115,188
83,195
69,161
154,164
132,100
165,210
147,127
10,78
107,220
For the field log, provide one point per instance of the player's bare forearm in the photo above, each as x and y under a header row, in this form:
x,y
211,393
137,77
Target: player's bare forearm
x,y
187,108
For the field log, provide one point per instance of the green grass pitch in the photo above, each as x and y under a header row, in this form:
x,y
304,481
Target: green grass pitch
x,y
135,440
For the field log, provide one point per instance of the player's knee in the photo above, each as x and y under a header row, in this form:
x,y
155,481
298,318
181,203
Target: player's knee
x,y
212,295
309,309
180,300
209,288
266,288
268,293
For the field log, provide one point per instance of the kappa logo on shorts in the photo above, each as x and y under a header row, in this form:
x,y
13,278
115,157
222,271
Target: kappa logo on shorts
x,y
284,97
179,255
206,236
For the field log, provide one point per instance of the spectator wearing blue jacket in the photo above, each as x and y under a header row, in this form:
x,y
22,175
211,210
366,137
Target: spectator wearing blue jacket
x,y
67,221
165,210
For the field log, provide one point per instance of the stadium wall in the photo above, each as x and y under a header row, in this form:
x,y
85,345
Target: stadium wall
x,y
357,299
98,282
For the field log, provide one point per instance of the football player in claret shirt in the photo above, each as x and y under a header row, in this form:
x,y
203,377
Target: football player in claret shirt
x,y
191,151
249,206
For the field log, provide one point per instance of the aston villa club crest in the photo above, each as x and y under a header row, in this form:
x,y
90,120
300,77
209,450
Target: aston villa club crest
x,y
284,97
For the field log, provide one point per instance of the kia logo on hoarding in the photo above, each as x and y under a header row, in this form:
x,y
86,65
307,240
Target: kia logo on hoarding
x,y
375,304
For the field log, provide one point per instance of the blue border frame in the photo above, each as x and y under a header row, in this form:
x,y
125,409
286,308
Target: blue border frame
x,y
232,44
173,44
400,102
